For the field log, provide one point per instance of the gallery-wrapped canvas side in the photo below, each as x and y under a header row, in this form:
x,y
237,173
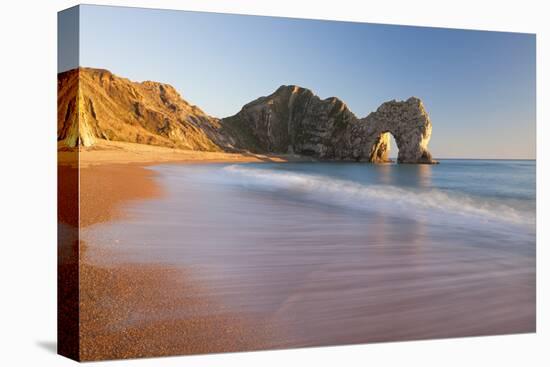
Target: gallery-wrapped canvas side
x,y
68,187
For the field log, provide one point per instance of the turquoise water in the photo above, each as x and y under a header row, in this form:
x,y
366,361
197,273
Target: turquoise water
x,y
332,253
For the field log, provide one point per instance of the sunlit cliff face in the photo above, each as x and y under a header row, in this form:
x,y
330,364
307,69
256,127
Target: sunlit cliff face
x,y
381,150
95,105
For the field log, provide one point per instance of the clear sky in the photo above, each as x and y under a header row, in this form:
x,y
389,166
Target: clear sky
x,y
478,87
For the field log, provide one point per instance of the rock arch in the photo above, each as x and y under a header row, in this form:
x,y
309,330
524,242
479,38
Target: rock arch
x,y
95,105
295,120
410,126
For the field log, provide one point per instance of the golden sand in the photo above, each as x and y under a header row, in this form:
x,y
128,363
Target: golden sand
x,y
130,311
111,152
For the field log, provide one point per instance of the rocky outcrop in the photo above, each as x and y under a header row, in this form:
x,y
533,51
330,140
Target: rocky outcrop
x,y
409,124
294,120
95,104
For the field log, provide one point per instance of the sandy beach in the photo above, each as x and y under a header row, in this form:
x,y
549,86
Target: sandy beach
x,y
331,277
113,152
112,174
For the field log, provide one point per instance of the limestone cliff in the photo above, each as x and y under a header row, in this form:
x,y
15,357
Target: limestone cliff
x,y
407,121
95,104
294,120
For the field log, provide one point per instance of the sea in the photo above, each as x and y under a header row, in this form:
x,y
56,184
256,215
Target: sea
x,y
336,253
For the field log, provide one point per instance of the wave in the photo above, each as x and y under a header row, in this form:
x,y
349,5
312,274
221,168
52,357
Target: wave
x,y
421,204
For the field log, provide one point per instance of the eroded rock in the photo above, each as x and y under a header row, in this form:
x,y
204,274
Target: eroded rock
x,y
294,120
95,104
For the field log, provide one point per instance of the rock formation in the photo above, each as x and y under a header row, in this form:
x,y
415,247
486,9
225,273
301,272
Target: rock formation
x,y
95,104
294,120
409,124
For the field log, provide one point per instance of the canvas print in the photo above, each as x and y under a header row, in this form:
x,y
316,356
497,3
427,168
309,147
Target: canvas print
x,y
233,183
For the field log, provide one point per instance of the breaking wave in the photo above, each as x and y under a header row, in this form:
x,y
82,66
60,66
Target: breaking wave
x,y
430,204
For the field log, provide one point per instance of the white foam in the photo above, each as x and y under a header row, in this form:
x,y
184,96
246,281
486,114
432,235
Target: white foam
x,y
422,204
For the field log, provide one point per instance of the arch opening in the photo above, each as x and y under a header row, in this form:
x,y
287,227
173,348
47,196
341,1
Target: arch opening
x,y
386,149
393,149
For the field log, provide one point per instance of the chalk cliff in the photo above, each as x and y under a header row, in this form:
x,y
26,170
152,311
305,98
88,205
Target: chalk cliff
x,y
95,104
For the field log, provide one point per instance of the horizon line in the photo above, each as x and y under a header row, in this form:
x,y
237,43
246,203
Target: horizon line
x,y
192,103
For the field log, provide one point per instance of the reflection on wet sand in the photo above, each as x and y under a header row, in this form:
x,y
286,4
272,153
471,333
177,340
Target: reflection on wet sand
x,y
319,274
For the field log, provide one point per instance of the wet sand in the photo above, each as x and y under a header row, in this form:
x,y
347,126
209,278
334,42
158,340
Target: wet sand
x,y
104,188
113,298
132,307
110,297
131,311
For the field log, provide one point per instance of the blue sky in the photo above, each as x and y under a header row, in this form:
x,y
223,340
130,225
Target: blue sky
x,y
478,87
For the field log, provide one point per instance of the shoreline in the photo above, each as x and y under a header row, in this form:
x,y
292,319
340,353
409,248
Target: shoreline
x,y
109,179
110,152
132,310
113,173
